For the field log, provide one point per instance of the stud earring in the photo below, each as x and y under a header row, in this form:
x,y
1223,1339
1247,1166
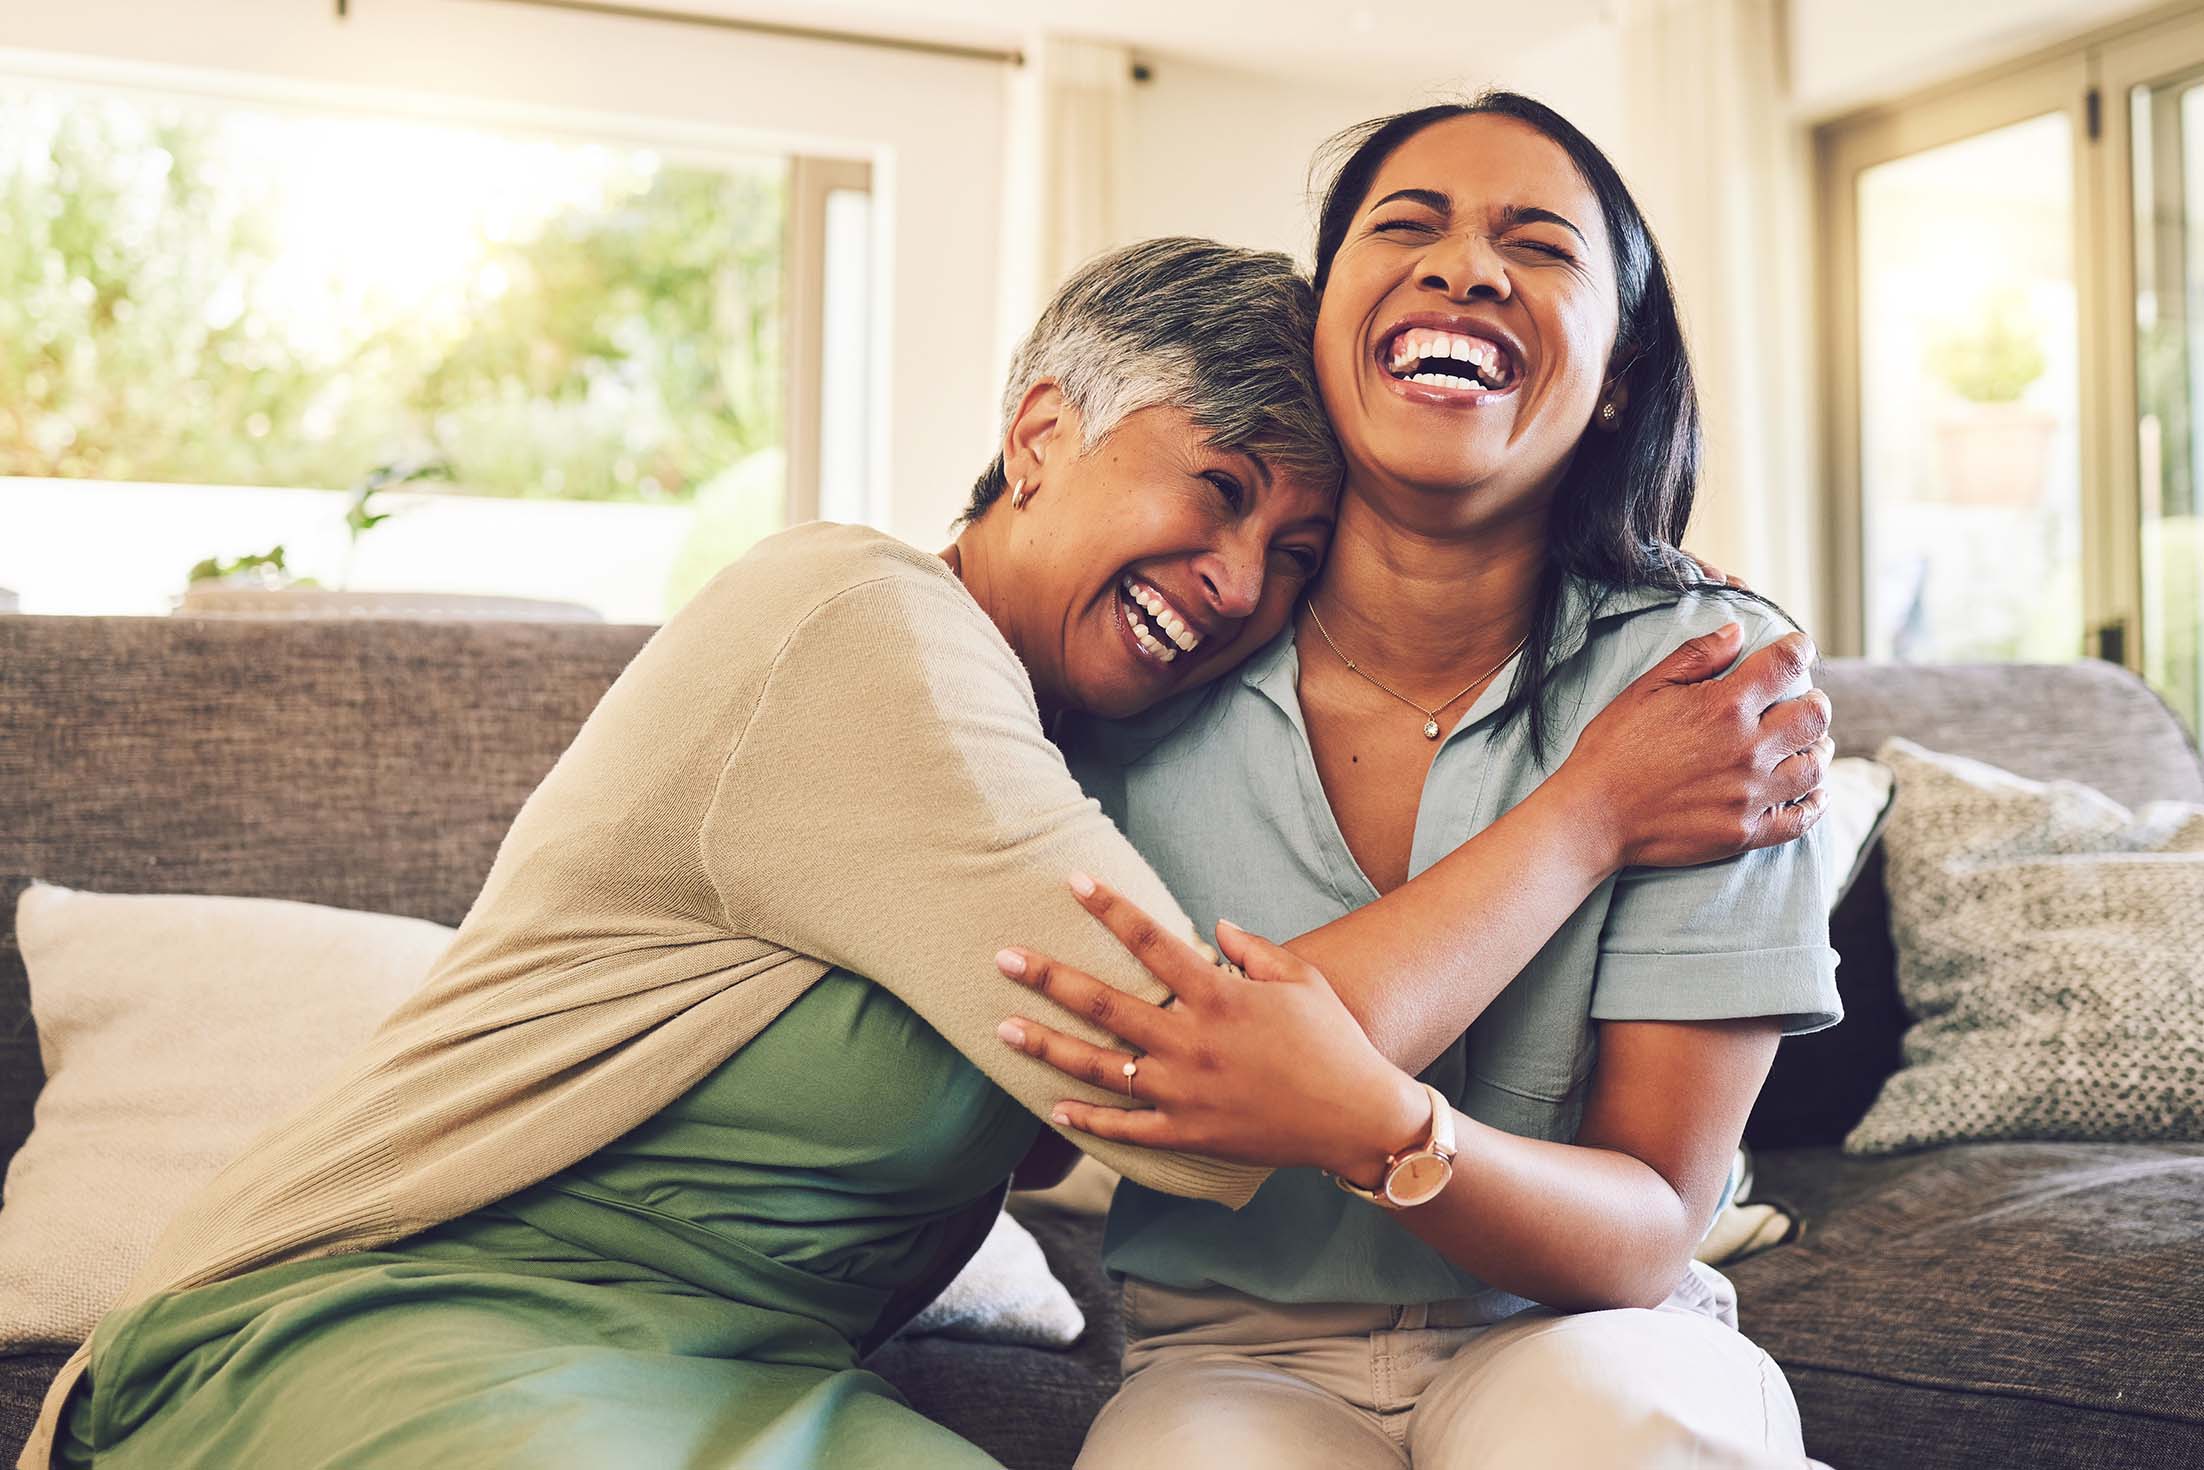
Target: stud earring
x,y
1018,496
1607,412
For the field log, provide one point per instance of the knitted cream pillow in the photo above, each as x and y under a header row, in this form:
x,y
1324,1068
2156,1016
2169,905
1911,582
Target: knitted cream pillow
x,y
2051,954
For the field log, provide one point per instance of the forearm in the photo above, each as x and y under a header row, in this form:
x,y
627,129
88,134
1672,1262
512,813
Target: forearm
x,y
1568,1226
1417,966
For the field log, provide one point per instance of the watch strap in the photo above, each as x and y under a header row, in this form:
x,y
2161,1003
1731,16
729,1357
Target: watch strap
x,y
1439,1141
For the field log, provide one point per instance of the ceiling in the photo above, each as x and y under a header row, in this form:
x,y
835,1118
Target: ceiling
x,y
1351,40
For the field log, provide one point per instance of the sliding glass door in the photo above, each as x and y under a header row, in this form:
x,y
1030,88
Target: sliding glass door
x,y
1970,410
2014,296
2158,90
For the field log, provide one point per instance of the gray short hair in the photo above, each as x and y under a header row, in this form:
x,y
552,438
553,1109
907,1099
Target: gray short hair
x,y
1223,333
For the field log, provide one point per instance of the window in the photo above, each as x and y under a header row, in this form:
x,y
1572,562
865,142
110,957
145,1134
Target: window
x,y
2012,295
1969,405
570,356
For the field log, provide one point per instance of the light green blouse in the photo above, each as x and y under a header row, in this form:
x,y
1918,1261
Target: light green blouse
x,y
1219,791
689,1296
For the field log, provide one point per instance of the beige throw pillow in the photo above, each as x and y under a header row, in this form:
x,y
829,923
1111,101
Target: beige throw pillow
x,y
173,1029
2051,954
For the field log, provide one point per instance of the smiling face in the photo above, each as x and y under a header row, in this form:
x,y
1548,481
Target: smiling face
x,y
1147,562
1464,336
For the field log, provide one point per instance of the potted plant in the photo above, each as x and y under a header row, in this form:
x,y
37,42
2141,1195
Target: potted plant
x,y
262,586
1993,447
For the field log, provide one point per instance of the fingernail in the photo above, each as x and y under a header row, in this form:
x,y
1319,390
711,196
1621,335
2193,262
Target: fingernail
x,y
1010,962
1228,924
1082,885
1060,1119
1011,1032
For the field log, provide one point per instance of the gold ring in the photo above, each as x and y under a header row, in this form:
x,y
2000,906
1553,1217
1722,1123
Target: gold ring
x,y
1130,1068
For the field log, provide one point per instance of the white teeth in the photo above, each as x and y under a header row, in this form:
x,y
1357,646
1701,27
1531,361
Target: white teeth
x,y
1173,626
1446,380
1145,638
1413,347
1147,641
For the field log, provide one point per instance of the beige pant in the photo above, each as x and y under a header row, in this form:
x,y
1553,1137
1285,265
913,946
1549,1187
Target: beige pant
x,y
1218,1379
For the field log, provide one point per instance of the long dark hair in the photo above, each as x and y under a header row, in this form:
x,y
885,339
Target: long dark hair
x,y
1619,514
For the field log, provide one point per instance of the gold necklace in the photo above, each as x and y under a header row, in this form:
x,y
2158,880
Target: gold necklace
x,y
1430,716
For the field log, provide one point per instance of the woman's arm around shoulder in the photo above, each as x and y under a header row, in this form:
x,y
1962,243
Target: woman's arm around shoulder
x,y
1718,747
892,806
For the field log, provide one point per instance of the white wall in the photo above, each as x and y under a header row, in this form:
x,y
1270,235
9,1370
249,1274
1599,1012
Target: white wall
x,y
1225,154
1579,74
932,126
1849,53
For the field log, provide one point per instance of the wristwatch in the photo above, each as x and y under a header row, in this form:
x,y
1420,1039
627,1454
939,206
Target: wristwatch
x,y
1415,1175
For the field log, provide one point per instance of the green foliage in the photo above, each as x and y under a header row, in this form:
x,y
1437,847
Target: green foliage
x,y
628,349
264,566
1992,358
359,515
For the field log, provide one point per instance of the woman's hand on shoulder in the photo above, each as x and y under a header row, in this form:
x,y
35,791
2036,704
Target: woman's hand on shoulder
x,y
1254,1062
1717,576
1684,767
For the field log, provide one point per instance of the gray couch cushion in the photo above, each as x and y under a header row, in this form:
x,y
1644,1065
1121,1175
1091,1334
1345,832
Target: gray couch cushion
x,y
23,1383
367,765
2086,722
1989,1304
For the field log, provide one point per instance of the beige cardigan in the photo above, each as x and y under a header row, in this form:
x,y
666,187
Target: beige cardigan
x,y
830,758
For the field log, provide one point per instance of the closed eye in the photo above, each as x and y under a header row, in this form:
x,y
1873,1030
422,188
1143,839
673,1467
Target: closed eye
x,y
1557,252
1235,495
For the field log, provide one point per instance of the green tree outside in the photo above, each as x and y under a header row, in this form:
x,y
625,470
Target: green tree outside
x,y
626,347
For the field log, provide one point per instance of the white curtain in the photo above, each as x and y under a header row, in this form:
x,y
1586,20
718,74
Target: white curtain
x,y
1066,151
1714,155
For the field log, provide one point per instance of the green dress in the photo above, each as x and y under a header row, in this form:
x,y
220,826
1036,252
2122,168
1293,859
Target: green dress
x,y
690,1296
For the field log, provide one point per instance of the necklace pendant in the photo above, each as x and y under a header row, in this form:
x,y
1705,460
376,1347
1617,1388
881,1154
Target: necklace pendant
x,y
1431,729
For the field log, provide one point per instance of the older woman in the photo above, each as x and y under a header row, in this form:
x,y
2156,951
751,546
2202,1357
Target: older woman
x,y
1497,1271
705,1095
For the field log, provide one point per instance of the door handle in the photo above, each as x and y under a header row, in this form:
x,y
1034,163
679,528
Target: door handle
x,y
2111,641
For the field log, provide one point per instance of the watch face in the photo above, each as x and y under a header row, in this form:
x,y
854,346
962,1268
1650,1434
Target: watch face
x,y
1418,1178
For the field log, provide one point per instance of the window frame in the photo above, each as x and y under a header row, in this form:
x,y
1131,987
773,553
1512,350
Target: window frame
x,y
1844,150
2166,51
811,181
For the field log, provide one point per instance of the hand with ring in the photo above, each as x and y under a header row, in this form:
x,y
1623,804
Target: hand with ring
x,y
1253,1060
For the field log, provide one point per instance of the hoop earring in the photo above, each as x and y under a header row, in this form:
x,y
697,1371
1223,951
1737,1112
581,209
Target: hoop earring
x,y
1018,496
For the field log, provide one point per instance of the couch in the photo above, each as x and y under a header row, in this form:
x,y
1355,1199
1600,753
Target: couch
x,y
1997,1305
